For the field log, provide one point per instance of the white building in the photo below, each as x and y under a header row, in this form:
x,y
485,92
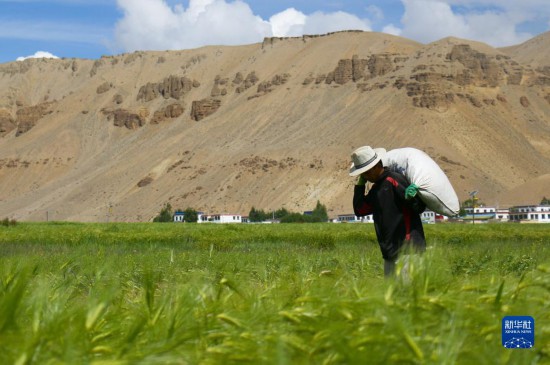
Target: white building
x,y
352,218
502,214
221,218
428,217
178,217
481,214
481,210
530,214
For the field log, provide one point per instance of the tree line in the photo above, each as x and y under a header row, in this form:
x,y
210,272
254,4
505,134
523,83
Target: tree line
x,y
190,215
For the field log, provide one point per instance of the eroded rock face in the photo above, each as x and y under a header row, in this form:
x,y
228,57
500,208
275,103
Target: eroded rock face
x,y
427,95
171,87
355,69
380,64
118,99
219,87
96,66
481,70
7,123
251,80
267,86
27,117
171,111
106,86
200,109
342,73
524,101
238,78
125,118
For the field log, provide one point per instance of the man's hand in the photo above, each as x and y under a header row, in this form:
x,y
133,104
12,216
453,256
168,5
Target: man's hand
x,y
410,191
361,181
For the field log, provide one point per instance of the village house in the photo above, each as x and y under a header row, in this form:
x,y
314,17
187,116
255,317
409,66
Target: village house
x,y
221,218
352,218
179,217
530,214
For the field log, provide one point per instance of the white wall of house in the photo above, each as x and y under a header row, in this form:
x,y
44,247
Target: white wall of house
x,y
531,213
352,218
481,210
428,216
222,218
502,215
179,217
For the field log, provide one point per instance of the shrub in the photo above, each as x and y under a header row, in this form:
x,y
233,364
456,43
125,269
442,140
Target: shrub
x,y
165,214
190,215
7,222
258,215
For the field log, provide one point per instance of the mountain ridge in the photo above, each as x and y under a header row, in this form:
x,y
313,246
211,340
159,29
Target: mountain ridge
x,y
271,124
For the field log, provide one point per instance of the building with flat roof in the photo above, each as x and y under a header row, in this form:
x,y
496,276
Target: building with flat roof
x,y
530,214
352,218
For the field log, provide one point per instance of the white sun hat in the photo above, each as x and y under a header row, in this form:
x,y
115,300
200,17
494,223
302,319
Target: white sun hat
x,y
365,158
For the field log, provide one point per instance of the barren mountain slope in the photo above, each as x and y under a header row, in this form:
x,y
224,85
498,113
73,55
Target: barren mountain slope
x,y
222,129
534,52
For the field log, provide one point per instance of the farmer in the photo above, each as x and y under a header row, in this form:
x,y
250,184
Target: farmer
x,y
393,202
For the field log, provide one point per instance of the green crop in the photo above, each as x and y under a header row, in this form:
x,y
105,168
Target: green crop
x,y
267,294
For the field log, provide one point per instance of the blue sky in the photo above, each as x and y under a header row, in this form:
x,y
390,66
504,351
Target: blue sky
x,y
92,28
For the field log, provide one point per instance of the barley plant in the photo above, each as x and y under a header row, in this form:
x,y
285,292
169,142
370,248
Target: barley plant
x,y
267,294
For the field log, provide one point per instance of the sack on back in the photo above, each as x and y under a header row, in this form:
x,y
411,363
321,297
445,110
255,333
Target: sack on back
x,y
435,189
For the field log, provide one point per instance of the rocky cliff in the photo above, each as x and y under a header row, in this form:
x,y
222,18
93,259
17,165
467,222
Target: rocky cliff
x,y
222,129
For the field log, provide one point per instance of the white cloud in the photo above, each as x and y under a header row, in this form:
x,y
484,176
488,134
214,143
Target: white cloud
x,y
287,23
392,29
320,22
39,54
153,24
430,20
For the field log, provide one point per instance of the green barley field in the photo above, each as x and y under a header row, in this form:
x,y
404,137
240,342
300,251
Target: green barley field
x,y
149,293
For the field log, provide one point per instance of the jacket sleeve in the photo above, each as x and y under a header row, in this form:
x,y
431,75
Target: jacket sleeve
x,y
362,205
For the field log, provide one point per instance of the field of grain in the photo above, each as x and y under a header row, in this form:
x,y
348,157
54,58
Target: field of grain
x,y
267,294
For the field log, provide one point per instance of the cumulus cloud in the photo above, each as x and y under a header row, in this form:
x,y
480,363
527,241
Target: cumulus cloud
x,y
153,24
320,22
392,29
430,20
288,23
39,54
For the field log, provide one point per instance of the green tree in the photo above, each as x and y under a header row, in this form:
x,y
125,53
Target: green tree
x,y
320,214
297,218
257,215
190,215
545,201
280,213
165,214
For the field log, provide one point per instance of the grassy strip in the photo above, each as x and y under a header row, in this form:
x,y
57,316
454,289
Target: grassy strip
x,y
165,293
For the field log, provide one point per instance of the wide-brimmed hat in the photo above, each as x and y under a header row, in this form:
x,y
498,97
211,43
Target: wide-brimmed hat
x,y
365,158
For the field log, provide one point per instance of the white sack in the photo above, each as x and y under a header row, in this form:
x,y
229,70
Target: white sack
x,y
435,189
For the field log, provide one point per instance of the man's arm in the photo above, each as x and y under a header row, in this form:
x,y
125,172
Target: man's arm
x,y
361,202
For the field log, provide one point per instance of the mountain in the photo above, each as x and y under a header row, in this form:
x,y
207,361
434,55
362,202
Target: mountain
x,y
534,52
269,125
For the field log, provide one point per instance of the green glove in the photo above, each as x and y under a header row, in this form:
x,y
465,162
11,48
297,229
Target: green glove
x,y
410,191
361,181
